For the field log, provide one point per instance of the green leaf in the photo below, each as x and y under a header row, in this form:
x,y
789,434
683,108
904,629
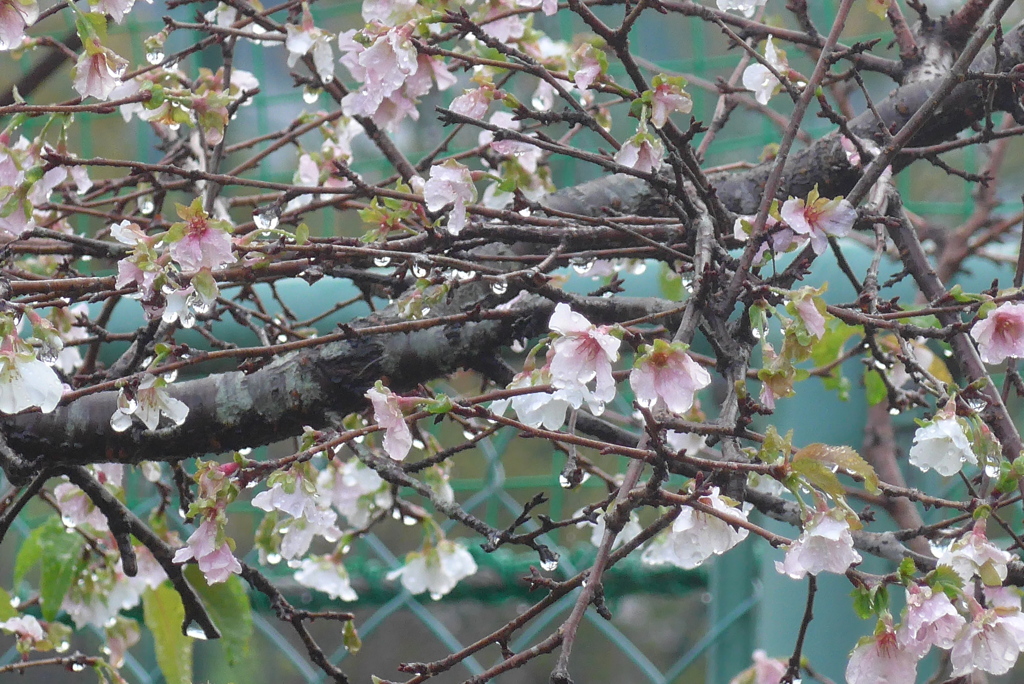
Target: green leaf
x,y
350,637
862,602
163,614
229,608
29,554
62,550
301,234
945,579
7,611
875,387
819,476
843,457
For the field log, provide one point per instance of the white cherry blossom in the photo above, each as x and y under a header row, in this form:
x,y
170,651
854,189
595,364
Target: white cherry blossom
x,y
696,536
436,569
149,402
825,545
759,78
975,556
327,575
943,447
388,413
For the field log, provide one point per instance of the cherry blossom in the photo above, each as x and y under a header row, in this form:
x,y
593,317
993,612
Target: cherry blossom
x,y
25,626
549,7
628,531
819,218
931,619
295,493
105,591
15,17
825,545
667,97
387,411
942,446
880,659
765,670
758,78
642,152
589,66
388,12
665,373
473,103
1001,334
777,238
355,490
747,7
582,352
537,409
26,382
307,38
696,536
806,306
975,556
98,71
117,9
199,241
436,569
450,182
325,574
994,638
690,443
147,403
211,551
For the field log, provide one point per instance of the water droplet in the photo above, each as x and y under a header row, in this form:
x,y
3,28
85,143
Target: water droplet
x,y
111,622
549,565
173,126
435,596
499,287
15,601
310,94
282,338
268,218
188,319
62,647
583,583
419,271
67,521
756,332
518,346
396,514
155,57
426,310
195,631
581,265
167,289
170,376
948,353
199,304
418,444
992,470
273,558
47,354
894,411
463,276
381,261
638,268
127,404
78,667
245,451
468,434
564,482
146,204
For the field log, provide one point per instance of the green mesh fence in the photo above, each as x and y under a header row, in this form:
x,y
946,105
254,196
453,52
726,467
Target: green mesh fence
x,y
665,629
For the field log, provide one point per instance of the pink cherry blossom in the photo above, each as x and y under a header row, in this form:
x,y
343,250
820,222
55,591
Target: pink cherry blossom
x,y
216,561
15,17
825,545
667,97
696,536
204,243
98,71
387,12
450,182
942,446
758,78
642,152
473,103
25,626
388,413
580,353
549,7
117,9
819,218
355,491
807,310
931,619
1001,333
666,373
306,38
975,556
994,638
881,660
588,66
